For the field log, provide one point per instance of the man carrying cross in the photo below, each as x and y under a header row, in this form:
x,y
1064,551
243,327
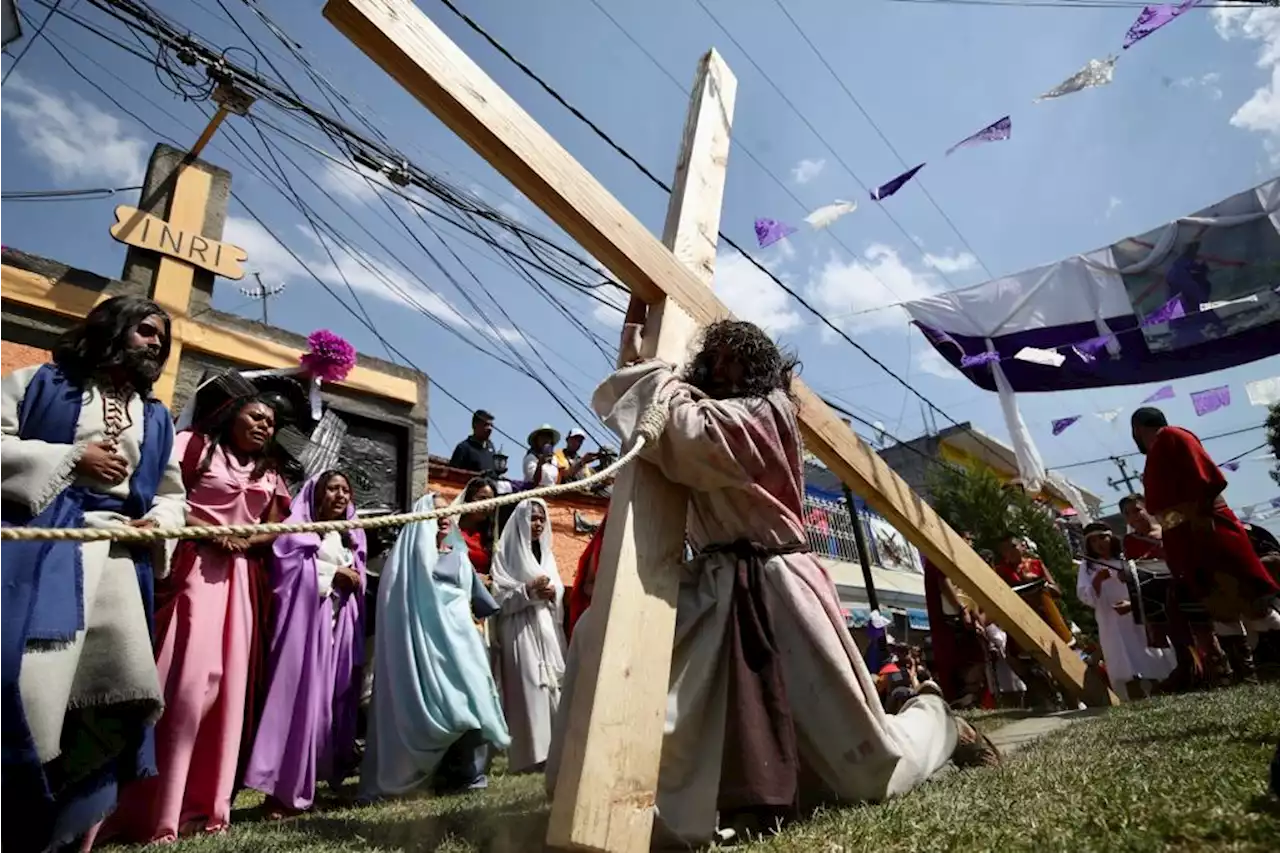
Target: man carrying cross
x,y
771,709
84,445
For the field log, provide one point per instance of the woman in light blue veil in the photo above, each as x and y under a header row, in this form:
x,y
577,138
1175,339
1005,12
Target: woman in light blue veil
x,y
435,705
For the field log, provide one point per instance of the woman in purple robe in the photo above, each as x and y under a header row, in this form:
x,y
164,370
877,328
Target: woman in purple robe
x,y
308,727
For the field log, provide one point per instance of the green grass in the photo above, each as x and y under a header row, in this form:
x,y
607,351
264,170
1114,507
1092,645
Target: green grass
x,y
1184,773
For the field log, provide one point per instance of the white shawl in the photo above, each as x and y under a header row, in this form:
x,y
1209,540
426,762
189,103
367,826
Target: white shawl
x,y
514,565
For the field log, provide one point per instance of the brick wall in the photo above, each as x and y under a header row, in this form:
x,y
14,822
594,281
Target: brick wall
x,y
567,545
15,356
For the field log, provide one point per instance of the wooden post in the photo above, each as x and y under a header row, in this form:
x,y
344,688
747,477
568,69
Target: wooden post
x,y
416,53
191,197
607,786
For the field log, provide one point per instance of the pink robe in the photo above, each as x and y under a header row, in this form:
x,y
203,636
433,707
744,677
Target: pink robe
x,y
204,627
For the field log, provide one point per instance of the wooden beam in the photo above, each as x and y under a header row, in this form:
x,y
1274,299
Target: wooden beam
x,y
174,278
608,779
409,47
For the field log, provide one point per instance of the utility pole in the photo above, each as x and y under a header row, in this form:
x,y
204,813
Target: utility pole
x,y
1125,477
264,293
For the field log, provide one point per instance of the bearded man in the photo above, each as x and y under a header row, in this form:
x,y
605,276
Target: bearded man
x,y
83,445
771,707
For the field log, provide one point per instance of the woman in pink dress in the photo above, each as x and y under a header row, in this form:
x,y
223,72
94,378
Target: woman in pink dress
x,y
204,629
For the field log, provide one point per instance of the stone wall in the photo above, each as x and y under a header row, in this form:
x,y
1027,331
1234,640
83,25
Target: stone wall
x,y
15,356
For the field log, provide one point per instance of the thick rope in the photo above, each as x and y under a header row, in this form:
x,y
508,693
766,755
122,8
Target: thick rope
x,y
652,422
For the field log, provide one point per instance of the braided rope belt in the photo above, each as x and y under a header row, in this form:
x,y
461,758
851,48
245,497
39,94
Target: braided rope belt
x,y
651,425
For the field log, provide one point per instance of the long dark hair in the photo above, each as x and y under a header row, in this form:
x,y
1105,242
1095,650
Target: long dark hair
x,y
220,433
322,483
102,339
469,494
765,366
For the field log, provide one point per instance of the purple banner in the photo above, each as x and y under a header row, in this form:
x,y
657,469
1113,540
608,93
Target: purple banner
x,y
1152,18
1171,310
883,192
979,359
1061,424
770,231
1165,393
994,132
1211,399
1230,466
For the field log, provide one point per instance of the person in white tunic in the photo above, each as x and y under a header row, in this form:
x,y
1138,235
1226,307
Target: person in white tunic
x,y
528,589
1100,584
771,707
84,445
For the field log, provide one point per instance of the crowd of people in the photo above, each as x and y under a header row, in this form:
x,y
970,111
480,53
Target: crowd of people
x,y
545,463
145,684
1185,599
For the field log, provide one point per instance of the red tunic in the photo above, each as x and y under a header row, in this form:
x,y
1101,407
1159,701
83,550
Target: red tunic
x,y
1029,569
579,598
479,555
1209,551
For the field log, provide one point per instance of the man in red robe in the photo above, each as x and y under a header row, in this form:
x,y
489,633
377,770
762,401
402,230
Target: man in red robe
x,y
1206,548
1201,660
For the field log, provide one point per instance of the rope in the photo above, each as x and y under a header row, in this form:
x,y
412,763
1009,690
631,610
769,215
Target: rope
x,y
652,422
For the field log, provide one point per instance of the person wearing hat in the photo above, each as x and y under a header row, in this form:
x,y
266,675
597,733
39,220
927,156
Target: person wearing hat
x,y
571,461
540,467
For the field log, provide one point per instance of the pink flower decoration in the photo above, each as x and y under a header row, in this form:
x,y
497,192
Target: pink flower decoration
x,y
331,358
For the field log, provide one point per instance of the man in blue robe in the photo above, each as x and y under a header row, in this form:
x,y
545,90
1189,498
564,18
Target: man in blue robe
x,y
83,445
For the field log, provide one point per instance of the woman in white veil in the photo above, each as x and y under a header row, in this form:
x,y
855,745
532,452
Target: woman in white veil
x,y
527,586
433,692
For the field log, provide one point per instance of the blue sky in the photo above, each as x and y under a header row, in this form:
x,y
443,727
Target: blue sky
x,y
1192,116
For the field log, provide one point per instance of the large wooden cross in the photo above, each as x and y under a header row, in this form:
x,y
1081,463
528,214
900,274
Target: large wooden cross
x,y
609,772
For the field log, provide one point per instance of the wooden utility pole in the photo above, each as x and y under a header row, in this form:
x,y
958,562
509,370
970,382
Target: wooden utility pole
x,y
417,54
1125,477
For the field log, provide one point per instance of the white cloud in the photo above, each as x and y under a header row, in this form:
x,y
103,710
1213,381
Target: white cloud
x,y
1261,113
367,275
1112,203
951,264
1208,82
806,170
342,182
752,295
851,293
930,361
75,139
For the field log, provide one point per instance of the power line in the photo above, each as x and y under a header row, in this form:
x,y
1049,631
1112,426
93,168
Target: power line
x,y
883,138
34,38
728,240
1116,456
296,200
435,382
1073,4
65,195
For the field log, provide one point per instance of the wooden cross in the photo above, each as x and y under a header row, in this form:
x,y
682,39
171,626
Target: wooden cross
x,y
609,772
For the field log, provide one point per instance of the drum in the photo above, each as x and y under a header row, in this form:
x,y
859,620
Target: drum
x,y
1148,582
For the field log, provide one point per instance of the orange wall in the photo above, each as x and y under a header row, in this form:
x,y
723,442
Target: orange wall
x,y
17,356
567,545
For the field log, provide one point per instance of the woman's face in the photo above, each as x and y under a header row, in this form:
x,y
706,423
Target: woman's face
x,y
537,521
1100,546
482,493
334,498
253,427
444,525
